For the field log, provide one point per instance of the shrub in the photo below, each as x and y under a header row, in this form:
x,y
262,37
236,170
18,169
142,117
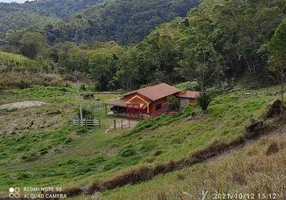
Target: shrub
x,y
190,85
30,157
147,146
158,152
68,140
174,103
96,160
272,149
204,100
3,155
189,110
112,164
82,130
127,152
22,176
83,87
86,114
44,152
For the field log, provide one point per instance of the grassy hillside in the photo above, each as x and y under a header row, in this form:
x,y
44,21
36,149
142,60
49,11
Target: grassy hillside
x,y
17,71
257,169
15,62
30,136
53,152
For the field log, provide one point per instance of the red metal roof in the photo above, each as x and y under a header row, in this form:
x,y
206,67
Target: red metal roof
x,y
156,92
117,102
188,94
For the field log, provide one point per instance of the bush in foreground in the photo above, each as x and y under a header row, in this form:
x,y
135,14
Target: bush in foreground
x,y
204,100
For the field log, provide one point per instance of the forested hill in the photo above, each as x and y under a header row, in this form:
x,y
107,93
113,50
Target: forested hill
x,y
215,44
59,8
38,14
55,8
128,21
219,41
125,21
15,16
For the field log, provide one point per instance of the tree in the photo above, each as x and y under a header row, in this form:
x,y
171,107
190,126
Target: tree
x,y
71,58
103,67
277,59
200,60
33,44
128,73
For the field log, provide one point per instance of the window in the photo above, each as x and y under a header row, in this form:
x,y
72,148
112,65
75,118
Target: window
x,y
159,106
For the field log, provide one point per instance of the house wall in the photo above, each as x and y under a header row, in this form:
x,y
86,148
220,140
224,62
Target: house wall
x,y
186,101
192,101
153,111
136,102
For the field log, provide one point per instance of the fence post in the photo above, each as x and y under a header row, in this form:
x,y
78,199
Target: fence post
x,y
122,124
105,106
99,123
114,124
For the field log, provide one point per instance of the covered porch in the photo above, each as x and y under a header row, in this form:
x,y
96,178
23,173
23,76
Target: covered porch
x,y
124,109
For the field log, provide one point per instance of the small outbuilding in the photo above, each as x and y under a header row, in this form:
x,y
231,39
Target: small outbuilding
x,y
187,97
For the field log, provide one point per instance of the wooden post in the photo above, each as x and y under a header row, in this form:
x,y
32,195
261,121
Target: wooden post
x,y
81,117
122,124
80,108
99,123
114,124
105,109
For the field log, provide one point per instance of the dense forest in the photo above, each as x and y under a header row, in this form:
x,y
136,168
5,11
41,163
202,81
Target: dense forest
x,y
126,21
38,14
216,43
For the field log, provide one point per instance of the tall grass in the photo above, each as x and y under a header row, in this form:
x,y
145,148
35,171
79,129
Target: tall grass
x,y
28,79
204,100
14,62
252,170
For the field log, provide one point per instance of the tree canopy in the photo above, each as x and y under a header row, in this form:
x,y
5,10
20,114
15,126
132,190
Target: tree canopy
x,y
213,44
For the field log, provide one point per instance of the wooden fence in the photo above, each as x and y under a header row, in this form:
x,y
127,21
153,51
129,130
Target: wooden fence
x,y
86,122
120,124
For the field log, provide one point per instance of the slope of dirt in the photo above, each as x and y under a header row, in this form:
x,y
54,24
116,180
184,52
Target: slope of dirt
x,y
24,104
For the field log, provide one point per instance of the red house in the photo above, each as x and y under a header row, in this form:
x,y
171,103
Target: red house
x,y
150,100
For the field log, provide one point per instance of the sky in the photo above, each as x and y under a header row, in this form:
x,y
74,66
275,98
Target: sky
x,y
9,1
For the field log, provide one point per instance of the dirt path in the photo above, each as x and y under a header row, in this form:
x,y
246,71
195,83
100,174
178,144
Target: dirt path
x,y
24,104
